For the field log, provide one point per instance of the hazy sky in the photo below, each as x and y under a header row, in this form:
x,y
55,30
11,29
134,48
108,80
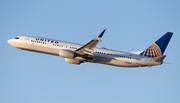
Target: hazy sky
x,y
28,77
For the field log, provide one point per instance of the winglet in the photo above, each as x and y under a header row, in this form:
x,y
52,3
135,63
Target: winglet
x,y
100,35
88,48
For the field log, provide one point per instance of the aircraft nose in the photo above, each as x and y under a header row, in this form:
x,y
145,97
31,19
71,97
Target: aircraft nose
x,y
10,41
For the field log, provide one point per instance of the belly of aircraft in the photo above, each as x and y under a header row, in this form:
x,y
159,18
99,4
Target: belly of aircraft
x,y
122,63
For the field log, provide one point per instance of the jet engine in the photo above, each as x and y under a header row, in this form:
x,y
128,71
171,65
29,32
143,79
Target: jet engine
x,y
66,53
73,61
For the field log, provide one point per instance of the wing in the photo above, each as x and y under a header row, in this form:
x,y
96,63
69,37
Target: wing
x,y
89,47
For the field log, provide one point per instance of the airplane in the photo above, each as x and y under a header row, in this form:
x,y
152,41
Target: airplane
x,y
78,53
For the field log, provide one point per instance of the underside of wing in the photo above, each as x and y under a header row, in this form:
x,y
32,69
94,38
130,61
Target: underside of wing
x,y
88,48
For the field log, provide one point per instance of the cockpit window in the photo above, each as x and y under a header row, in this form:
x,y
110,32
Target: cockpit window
x,y
16,37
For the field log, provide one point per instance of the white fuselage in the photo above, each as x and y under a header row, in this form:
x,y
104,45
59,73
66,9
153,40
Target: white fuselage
x,y
100,55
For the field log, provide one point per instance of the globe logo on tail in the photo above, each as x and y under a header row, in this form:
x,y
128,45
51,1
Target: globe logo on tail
x,y
152,51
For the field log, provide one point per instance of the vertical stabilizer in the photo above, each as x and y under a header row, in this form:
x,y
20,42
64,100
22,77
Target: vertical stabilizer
x,y
158,48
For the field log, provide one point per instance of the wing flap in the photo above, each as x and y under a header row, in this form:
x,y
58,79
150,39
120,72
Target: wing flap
x,y
89,47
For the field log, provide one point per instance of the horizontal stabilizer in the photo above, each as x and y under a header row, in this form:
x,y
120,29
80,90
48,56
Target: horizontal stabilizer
x,y
158,59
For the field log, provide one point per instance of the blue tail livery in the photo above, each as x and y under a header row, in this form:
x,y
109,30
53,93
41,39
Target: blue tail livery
x,y
158,48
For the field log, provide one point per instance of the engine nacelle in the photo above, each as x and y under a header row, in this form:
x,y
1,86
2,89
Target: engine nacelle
x,y
66,53
72,61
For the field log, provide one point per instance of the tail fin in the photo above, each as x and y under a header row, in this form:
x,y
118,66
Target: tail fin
x,y
158,48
